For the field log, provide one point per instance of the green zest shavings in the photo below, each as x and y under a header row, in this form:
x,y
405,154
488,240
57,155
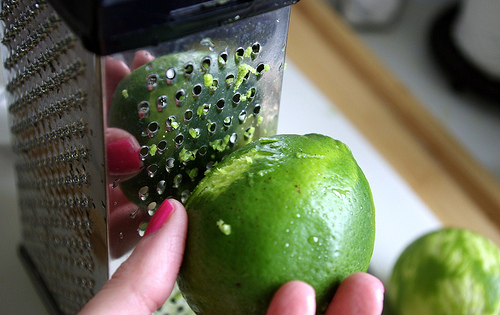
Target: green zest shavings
x,y
152,149
187,155
208,79
243,70
224,227
220,144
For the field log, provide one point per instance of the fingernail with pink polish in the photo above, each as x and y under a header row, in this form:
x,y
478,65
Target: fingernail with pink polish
x,y
123,158
160,217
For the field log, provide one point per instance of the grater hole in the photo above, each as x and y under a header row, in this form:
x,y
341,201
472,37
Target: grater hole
x,y
256,109
223,58
152,208
144,152
251,93
213,87
143,193
230,78
227,122
256,48
205,63
160,187
143,109
171,123
220,104
184,197
152,169
236,98
161,102
203,150
197,90
248,134
170,75
153,128
203,110
233,138
161,146
242,116
212,127
188,69
177,180
179,140
169,164
151,81
239,53
179,97
142,228
188,115
261,68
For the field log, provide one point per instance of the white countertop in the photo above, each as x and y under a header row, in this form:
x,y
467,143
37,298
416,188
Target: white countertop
x,y
403,48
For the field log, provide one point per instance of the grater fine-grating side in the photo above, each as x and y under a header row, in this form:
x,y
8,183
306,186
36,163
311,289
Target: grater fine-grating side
x,y
58,142
80,219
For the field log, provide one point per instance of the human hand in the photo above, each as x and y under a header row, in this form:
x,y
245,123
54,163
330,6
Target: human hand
x,y
144,281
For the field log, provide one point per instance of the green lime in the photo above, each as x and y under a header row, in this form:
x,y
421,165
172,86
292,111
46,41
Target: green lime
x,y
449,271
282,208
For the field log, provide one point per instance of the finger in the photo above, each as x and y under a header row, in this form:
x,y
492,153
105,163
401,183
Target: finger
x,y
360,294
293,298
140,58
116,70
122,154
145,280
124,220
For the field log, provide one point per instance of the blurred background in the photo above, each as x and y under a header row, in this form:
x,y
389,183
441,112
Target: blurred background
x,y
398,32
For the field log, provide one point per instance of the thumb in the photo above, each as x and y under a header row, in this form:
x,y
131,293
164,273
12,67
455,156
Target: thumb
x,y
144,281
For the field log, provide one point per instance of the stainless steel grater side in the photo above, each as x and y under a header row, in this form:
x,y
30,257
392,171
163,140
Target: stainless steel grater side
x,y
201,94
58,141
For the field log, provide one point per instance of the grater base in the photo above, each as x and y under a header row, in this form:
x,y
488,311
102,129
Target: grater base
x,y
37,280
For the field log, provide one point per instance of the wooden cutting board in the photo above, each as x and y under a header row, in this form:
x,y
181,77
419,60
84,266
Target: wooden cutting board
x,y
452,183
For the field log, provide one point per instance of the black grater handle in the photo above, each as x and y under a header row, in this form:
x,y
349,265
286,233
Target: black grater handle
x,y
110,26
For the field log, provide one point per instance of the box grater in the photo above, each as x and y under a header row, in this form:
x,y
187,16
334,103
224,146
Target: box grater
x,y
216,64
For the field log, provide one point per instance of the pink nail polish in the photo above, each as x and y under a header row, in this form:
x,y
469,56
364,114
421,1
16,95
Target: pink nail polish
x,y
123,158
160,217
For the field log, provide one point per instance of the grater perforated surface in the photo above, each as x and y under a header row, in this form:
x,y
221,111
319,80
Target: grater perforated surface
x,y
53,85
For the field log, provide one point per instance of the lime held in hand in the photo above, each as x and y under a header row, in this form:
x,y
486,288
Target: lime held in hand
x,y
283,208
449,271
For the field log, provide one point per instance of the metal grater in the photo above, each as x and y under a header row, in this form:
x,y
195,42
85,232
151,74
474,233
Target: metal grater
x,y
55,69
